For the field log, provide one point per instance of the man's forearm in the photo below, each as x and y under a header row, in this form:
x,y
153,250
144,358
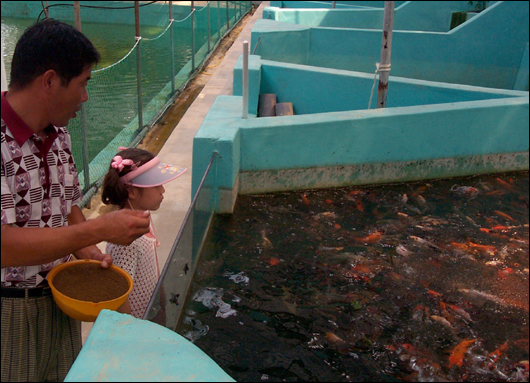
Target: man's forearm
x,y
36,246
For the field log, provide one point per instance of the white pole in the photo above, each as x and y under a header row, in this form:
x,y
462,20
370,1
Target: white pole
x,y
4,77
245,79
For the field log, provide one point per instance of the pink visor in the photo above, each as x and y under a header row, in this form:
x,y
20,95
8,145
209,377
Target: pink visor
x,y
152,173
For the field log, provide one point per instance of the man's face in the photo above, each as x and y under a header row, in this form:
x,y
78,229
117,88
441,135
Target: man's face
x,y
67,100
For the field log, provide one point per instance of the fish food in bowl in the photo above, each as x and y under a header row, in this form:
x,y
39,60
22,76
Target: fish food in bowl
x,y
83,288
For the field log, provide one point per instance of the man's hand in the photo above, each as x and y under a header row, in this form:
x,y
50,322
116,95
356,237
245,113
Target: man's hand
x,y
122,227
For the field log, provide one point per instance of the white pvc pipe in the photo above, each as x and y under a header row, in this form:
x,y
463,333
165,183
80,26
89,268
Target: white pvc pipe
x,y
245,79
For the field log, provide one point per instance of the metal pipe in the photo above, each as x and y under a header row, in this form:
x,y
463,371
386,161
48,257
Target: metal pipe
x,y
192,37
138,66
245,79
386,49
171,42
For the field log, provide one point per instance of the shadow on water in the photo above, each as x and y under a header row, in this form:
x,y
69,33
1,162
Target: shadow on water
x,y
424,281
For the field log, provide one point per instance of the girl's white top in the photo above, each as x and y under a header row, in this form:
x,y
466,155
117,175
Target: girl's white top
x,y
140,261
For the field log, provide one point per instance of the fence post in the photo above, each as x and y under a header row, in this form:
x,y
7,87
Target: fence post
x,y
192,37
208,10
227,17
82,114
172,48
219,18
138,66
386,49
245,79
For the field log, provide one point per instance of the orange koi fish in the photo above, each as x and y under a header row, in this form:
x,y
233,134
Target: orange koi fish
x,y
460,246
504,184
457,355
434,294
359,205
504,215
371,238
274,261
498,352
485,248
495,192
305,199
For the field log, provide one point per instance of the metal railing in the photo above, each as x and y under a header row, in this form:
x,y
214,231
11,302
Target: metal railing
x,y
170,293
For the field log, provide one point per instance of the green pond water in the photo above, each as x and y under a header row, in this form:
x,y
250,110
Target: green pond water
x,y
112,92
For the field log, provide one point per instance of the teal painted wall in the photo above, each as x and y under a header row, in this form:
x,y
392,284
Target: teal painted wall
x,y
122,348
490,132
327,4
434,16
484,51
321,90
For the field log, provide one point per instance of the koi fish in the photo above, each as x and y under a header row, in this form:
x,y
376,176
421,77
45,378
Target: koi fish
x,y
504,184
371,238
434,294
504,215
461,312
327,214
498,352
484,295
274,261
459,246
424,242
495,192
442,321
359,205
332,338
485,248
465,191
402,250
457,355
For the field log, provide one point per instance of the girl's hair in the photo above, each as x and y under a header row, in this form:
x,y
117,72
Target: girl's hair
x,y
114,192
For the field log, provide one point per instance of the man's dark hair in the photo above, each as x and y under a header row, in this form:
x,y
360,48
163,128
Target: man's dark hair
x,y
51,44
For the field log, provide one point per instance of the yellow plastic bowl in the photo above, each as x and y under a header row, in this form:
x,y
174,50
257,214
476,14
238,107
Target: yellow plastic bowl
x,y
83,310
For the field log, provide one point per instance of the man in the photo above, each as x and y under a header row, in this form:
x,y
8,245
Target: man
x,y
41,222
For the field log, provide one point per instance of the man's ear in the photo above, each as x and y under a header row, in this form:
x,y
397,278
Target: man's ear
x,y
50,80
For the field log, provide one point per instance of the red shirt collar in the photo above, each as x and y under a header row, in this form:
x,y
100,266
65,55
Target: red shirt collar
x,y
20,130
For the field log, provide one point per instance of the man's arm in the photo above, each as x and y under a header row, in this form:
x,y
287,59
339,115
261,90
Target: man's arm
x,y
23,246
90,252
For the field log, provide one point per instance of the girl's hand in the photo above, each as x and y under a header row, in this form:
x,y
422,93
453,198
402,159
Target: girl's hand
x,y
106,259
93,252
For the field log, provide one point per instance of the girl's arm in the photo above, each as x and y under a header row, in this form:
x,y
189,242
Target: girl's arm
x,y
125,308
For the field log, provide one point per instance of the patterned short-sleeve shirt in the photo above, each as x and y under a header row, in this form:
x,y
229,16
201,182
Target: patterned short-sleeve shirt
x,y
39,186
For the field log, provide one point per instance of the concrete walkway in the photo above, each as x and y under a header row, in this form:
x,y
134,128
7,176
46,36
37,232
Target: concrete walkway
x,y
178,148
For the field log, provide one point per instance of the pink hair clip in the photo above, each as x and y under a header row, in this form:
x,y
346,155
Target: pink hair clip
x,y
119,163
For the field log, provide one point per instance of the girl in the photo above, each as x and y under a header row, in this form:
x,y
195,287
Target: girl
x,y
134,181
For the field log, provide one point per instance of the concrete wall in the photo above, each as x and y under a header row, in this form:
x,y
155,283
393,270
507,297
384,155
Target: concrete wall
x,y
321,90
434,130
487,50
434,16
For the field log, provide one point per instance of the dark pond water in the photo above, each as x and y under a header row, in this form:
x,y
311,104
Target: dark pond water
x,y
424,281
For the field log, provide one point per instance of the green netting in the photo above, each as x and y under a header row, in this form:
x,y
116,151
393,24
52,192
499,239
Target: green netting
x,y
110,116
